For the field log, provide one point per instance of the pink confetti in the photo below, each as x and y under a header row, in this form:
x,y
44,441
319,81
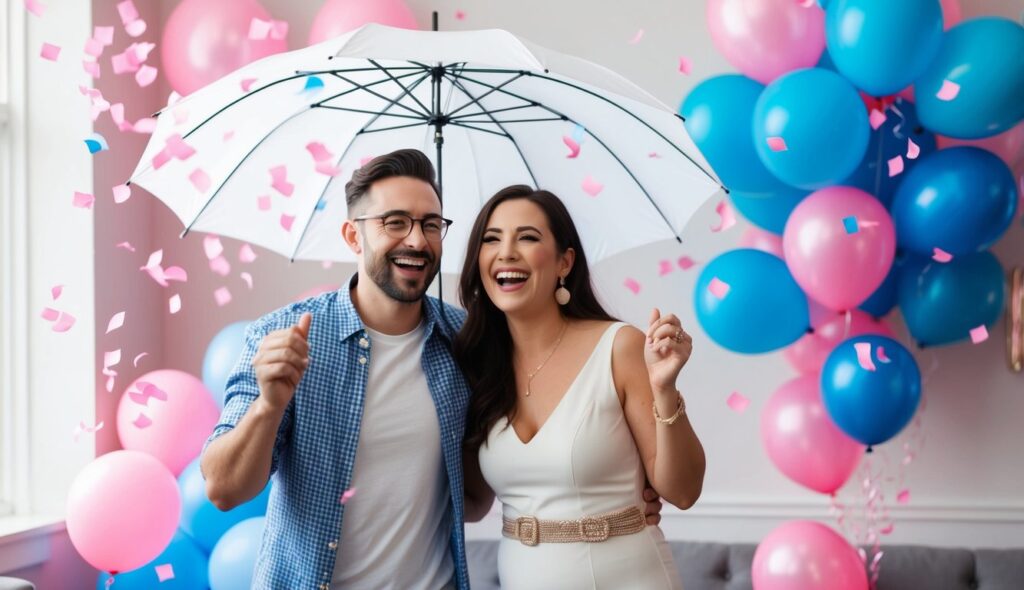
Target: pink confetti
x,y
686,263
574,148
122,193
93,47
654,155
139,357
632,285
49,314
319,151
55,291
83,200
777,144
247,83
64,322
145,76
685,66
116,321
364,160
940,255
212,247
737,402
718,288
263,203
227,136
111,358
142,421
895,166
664,267
287,221
180,115
177,148
727,215
345,497
157,272
50,52
135,28
279,178
949,90
913,150
222,296
92,68
83,429
104,35
459,15
126,246
200,179
127,11
246,254
247,278
864,355
259,29
220,266
979,334
877,119
882,357
887,529
175,273
165,572
174,303
903,497
145,392
637,37
327,169
35,7
592,187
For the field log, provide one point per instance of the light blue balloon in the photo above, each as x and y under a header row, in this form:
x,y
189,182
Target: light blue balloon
x,y
871,406
221,355
960,199
985,57
204,521
763,310
717,114
234,558
942,303
821,118
882,46
769,212
187,560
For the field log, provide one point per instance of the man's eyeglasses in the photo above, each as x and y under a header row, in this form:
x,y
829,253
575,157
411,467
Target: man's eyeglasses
x,y
399,225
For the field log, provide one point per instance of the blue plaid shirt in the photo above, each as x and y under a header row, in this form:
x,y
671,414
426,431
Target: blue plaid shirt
x,y
316,442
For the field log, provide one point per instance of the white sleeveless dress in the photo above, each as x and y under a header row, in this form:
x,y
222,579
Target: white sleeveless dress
x,y
582,462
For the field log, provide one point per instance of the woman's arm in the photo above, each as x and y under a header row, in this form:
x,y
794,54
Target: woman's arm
x,y
645,368
478,495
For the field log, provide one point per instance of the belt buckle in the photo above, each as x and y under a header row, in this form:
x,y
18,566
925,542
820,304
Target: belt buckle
x,y
594,530
528,530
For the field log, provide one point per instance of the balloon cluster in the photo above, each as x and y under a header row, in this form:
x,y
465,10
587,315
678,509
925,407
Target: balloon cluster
x,y
871,142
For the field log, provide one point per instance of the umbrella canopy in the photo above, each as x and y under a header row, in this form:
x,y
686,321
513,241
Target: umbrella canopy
x,y
263,154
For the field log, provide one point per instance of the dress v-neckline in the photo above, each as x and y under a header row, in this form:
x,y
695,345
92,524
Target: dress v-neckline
x,y
568,391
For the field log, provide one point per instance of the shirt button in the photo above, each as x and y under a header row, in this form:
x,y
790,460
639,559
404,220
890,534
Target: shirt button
x,y
362,360
364,343
333,545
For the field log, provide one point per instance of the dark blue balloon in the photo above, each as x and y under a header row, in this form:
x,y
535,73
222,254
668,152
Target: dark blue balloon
x,y
888,141
823,122
204,521
221,356
763,310
883,45
942,303
960,199
769,212
871,406
982,56
717,114
885,296
187,560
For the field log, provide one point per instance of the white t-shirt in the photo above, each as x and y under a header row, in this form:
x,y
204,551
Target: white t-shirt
x,y
395,533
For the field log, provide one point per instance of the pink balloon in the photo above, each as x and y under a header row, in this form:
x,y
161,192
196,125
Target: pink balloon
x,y
122,511
314,291
337,17
834,266
807,555
1008,145
803,442
759,239
807,355
767,38
206,39
168,414
951,13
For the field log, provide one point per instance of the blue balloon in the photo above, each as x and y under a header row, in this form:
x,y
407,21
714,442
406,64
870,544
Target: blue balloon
x,y
942,303
234,558
764,309
982,56
886,296
717,114
187,560
221,356
769,212
960,199
882,46
204,521
871,406
823,122
888,141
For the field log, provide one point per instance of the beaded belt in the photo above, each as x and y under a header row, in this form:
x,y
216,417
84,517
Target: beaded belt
x,y
530,530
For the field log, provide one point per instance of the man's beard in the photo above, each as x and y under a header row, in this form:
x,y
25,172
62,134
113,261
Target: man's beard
x,y
382,273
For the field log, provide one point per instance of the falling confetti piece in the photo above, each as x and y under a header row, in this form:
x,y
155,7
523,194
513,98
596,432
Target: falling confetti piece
x,y
574,147
632,285
104,35
686,263
122,193
220,266
345,497
287,221
718,288
327,169
279,180
83,200
685,66
222,296
111,358
864,355
56,291
247,278
246,254
592,187
126,246
263,203
96,143
727,217
139,357
116,321
664,267
164,572
83,429
319,151
637,37
949,90
737,402
50,52
35,7
247,83
49,314
903,497
313,83
212,247
913,150
940,255
877,119
777,144
654,155
200,179
146,391
145,76
887,529
174,303
259,29
851,225
142,422
93,47
882,357
92,68
64,322
178,149
459,15
895,166
979,334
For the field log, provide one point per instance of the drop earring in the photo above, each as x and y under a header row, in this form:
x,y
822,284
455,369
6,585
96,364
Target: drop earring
x,y
562,295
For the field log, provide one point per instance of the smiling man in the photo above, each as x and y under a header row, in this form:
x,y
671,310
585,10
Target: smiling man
x,y
354,400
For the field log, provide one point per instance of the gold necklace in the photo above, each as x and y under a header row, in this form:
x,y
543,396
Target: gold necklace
x,y
530,376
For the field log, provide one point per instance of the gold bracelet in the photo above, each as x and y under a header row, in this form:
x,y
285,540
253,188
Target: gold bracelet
x,y
680,410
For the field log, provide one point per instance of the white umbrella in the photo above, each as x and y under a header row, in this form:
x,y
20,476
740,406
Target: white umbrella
x,y
263,154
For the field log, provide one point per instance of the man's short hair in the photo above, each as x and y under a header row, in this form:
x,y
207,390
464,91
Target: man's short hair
x,y
405,162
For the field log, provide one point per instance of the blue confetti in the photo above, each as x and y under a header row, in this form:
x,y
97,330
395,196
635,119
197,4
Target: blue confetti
x,y
96,143
321,204
578,133
850,223
313,83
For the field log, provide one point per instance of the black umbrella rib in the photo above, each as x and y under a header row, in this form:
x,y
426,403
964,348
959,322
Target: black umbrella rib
x,y
484,95
491,131
565,117
476,100
495,111
516,120
613,103
426,111
365,112
359,86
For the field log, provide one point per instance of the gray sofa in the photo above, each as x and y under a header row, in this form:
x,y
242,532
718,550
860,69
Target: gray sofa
x,y
718,566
